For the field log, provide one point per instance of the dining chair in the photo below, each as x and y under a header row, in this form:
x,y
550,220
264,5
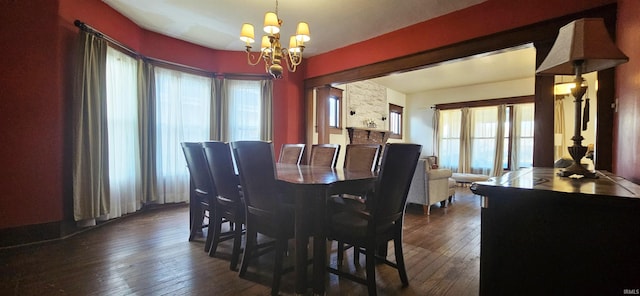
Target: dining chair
x,y
267,212
229,204
291,153
325,155
203,189
381,221
359,157
362,157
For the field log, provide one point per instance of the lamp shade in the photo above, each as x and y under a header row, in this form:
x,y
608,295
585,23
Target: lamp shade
x,y
246,33
293,45
271,25
265,44
586,41
302,32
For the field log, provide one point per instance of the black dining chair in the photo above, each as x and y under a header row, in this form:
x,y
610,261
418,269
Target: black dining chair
x,y
267,212
325,155
203,190
291,153
381,221
229,204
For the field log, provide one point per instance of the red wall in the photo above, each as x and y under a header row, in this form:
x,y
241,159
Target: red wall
x,y
36,45
31,125
627,119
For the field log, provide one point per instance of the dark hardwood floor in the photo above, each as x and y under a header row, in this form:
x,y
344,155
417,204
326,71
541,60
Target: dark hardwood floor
x,y
148,254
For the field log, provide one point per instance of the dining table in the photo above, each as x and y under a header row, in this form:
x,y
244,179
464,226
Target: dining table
x,y
311,187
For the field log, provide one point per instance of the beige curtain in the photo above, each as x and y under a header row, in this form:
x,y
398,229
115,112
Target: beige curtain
x,y
266,126
515,141
558,129
90,138
223,111
214,130
464,165
436,132
497,161
147,130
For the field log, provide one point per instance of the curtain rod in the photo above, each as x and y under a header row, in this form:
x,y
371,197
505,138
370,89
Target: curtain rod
x,y
92,30
87,28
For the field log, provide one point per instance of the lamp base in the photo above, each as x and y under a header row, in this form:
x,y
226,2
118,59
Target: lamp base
x,y
577,169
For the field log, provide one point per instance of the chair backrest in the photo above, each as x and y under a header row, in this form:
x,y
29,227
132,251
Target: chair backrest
x,y
325,155
291,153
198,169
221,169
396,172
256,167
360,157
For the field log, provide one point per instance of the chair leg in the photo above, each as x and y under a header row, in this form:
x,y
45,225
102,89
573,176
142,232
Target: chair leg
x,y
426,209
250,244
340,253
397,244
280,249
213,234
371,270
237,240
356,255
196,224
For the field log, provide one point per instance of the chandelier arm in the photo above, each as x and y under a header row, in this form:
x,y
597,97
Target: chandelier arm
x,y
291,66
250,54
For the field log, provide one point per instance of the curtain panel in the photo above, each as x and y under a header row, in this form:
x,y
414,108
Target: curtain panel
x,y
90,136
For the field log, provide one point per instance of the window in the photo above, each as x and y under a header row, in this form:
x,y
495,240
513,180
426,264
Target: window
x,y
522,135
484,128
449,136
334,112
182,115
329,109
123,137
517,142
244,105
395,121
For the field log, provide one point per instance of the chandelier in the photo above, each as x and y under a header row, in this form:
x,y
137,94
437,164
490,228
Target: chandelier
x,y
271,52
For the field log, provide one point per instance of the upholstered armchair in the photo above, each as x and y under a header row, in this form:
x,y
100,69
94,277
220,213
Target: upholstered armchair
x,y
429,186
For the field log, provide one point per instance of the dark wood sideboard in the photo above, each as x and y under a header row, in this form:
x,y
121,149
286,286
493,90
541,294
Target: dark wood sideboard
x,y
542,234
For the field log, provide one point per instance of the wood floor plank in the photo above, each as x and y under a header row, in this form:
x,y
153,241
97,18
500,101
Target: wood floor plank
x,y
147,253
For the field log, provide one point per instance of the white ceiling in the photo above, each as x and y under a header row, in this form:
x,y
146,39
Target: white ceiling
x,y
506,65
333,24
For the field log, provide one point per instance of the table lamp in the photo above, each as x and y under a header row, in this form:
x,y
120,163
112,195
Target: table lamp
x,y
582,46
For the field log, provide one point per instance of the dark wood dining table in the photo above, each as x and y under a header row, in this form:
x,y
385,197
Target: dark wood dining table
x,y
311,186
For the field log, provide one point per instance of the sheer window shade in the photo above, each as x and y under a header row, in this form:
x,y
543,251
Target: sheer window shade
x,y
182,115
124,140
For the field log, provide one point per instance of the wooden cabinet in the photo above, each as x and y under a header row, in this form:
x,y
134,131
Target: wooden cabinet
x,y
546,235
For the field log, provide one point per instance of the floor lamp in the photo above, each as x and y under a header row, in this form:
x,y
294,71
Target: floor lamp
x,y
582,46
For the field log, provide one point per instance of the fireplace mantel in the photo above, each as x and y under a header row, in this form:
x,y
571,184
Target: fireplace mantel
x,y
367,136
